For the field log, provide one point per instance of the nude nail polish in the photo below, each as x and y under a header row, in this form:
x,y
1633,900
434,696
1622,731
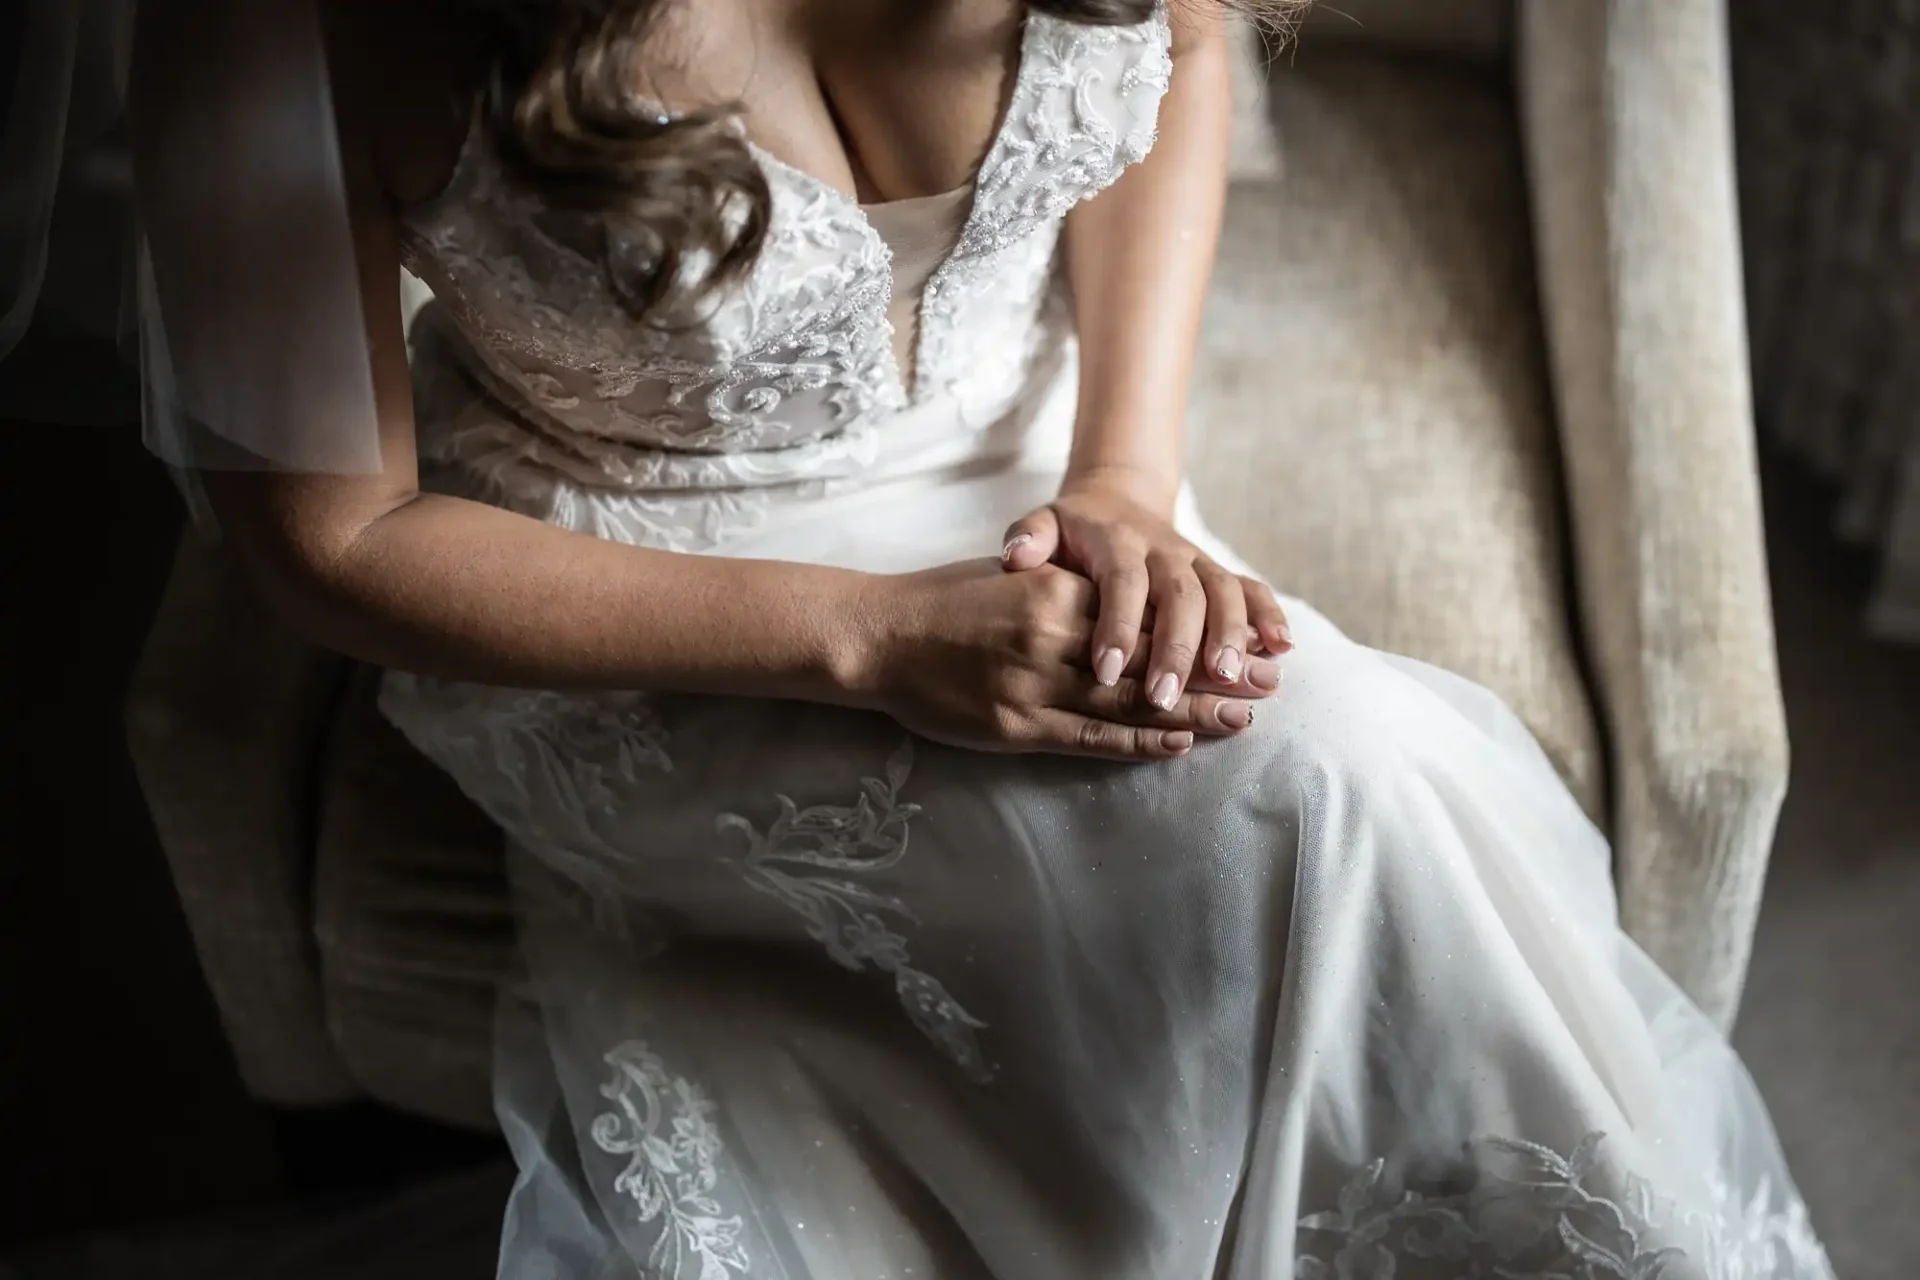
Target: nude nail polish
x,y
1014,544
1108,666
1166,691
1229,668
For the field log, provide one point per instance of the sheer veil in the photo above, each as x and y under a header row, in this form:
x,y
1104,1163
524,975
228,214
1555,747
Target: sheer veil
x,y
214,119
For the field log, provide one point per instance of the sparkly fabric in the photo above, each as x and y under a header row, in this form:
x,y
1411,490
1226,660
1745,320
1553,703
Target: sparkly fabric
x,y
919,234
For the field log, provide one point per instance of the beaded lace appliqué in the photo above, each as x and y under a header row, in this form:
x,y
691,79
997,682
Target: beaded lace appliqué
x,y
665,1125
1535,1214
808,858
601,425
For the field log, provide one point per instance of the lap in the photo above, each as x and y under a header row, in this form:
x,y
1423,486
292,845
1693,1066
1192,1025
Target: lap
x,y
675,799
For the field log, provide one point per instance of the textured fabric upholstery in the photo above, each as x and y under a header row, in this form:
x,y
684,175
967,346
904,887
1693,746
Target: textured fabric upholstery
x,y
1371,410
1388,349
224,722
411,915
1629,130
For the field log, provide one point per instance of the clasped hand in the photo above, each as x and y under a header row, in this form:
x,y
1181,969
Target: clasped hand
x,y
1100,632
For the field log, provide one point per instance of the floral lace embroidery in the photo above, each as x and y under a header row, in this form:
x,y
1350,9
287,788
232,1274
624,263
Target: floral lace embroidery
x,y
588,753
590,750
1060,144
804,858
664,1124
613,735
572,413
1545,1220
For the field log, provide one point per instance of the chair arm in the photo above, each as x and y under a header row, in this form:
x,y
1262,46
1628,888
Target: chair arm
x,y
225,718
1627,117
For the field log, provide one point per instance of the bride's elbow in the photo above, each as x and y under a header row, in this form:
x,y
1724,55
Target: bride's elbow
x,y
300,541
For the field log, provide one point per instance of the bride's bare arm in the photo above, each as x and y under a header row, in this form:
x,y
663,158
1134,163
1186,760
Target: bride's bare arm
x,y
375,568
371,566
1139,256
462,590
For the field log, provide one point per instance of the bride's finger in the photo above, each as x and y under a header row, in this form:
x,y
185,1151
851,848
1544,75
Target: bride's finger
x,y
1225,654
1179,628
1123,583
1259,676
1268,618
1069,733
1031,541
1126,702
1251,641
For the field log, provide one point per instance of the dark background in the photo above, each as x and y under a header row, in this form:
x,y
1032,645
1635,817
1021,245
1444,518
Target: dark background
x,y
119,1102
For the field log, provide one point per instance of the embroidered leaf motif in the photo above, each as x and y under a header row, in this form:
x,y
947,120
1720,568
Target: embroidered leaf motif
x,y
669,1176
848,918
1534,1214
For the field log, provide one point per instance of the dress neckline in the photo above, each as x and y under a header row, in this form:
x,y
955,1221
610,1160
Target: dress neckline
x,y
907,383
1000,203
907,204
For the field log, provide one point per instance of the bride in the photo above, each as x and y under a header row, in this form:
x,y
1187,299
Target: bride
x,y
935,854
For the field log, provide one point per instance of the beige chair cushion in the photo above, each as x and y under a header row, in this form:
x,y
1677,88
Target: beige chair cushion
x,y
226,714
410,909
1371,412
1477,30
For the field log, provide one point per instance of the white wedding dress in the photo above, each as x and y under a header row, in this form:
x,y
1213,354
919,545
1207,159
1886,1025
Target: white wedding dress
x,y
806,998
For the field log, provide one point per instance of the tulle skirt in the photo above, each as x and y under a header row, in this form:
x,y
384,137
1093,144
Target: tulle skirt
x,y
1344,996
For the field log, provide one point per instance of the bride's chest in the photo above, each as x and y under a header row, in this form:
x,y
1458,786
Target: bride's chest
x,y
881,99
801,348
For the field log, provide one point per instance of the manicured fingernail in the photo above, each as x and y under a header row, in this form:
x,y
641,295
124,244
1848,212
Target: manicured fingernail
x,y
1166,691
1107,667
1013,544
1284,635
1180,740
1229,668
1264,676
1236,715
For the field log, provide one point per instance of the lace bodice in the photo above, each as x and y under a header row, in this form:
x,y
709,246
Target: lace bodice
x,y
792,376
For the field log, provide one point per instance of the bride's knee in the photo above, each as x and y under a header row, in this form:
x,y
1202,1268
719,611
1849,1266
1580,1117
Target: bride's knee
x,y
1328,732
1339,717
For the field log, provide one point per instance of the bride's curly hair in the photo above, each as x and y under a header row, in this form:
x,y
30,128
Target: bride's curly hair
x,y
680,207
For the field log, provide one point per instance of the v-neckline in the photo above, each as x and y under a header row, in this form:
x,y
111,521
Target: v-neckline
x,y
911,390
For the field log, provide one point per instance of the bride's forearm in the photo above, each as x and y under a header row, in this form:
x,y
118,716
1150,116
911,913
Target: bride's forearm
x,y
1139,257
464,591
